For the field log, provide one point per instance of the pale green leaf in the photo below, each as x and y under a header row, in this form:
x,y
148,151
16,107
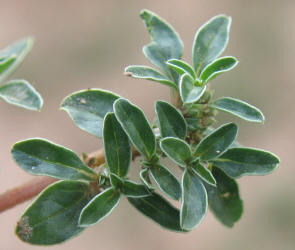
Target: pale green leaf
x,y
181,67
189,92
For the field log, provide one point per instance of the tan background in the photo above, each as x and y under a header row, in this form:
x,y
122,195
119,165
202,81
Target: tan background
x,y
81,44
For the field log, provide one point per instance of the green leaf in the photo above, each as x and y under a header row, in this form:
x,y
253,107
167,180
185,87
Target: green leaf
x,y
171,121
239,108
133,189
237,162
144,72
189,92
53,217
217,67
177,150
159,210
166,181
87,108
145,178
181,67
6,62
224,200
117,146
99,207
136,126
22,94
42,157
217,142
194,201
18,50
116,181
204,173
210,41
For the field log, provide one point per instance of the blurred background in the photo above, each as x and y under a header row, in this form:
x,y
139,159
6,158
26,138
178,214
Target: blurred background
x,y
82,44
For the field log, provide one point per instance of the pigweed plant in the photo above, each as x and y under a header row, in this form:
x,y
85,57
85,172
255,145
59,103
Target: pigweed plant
x,y
209,158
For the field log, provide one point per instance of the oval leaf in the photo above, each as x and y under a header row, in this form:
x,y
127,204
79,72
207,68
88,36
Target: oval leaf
x,y
53,217
145,178
133,189
87,108
171,121
224,200
22,94
166,181
144,72
194,201
159,210
117,146
217,142
239,108
203,173
188,91
181,67
42,157
210,41
99,207
237,162
217,67
136,126
177,150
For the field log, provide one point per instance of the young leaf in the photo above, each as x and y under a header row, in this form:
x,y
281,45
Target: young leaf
x,y
136,126
18,50
224,200
210,41
237,162
22,94
217,67
189,92
144,72
239,108
181,67
159,210
194,201
87,108
117,146
166,181
204,173
133,189
177,150
145,178
53,217
171,121
99,207
42,157
217,142
6,62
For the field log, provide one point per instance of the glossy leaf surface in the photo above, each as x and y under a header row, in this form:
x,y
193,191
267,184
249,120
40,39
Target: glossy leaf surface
x,y
237,162
117,146
22,94
42,157
53,217
181,67
204,173
87,108
189,92
133,189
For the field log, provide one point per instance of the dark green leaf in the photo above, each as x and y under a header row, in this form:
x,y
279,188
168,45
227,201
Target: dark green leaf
x,y
189,92
176,149
133,189
217,67
22,94
144,72
53,217
217,142
194,201
136,127
117,146
181,67
42,157
18,50
87,108
99,207
210,41
171,121
166,181
237,162
204,173
145,178
159,210
239,108
116,181
224,200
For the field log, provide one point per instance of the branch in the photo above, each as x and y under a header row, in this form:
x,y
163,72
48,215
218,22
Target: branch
x,y
28,190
